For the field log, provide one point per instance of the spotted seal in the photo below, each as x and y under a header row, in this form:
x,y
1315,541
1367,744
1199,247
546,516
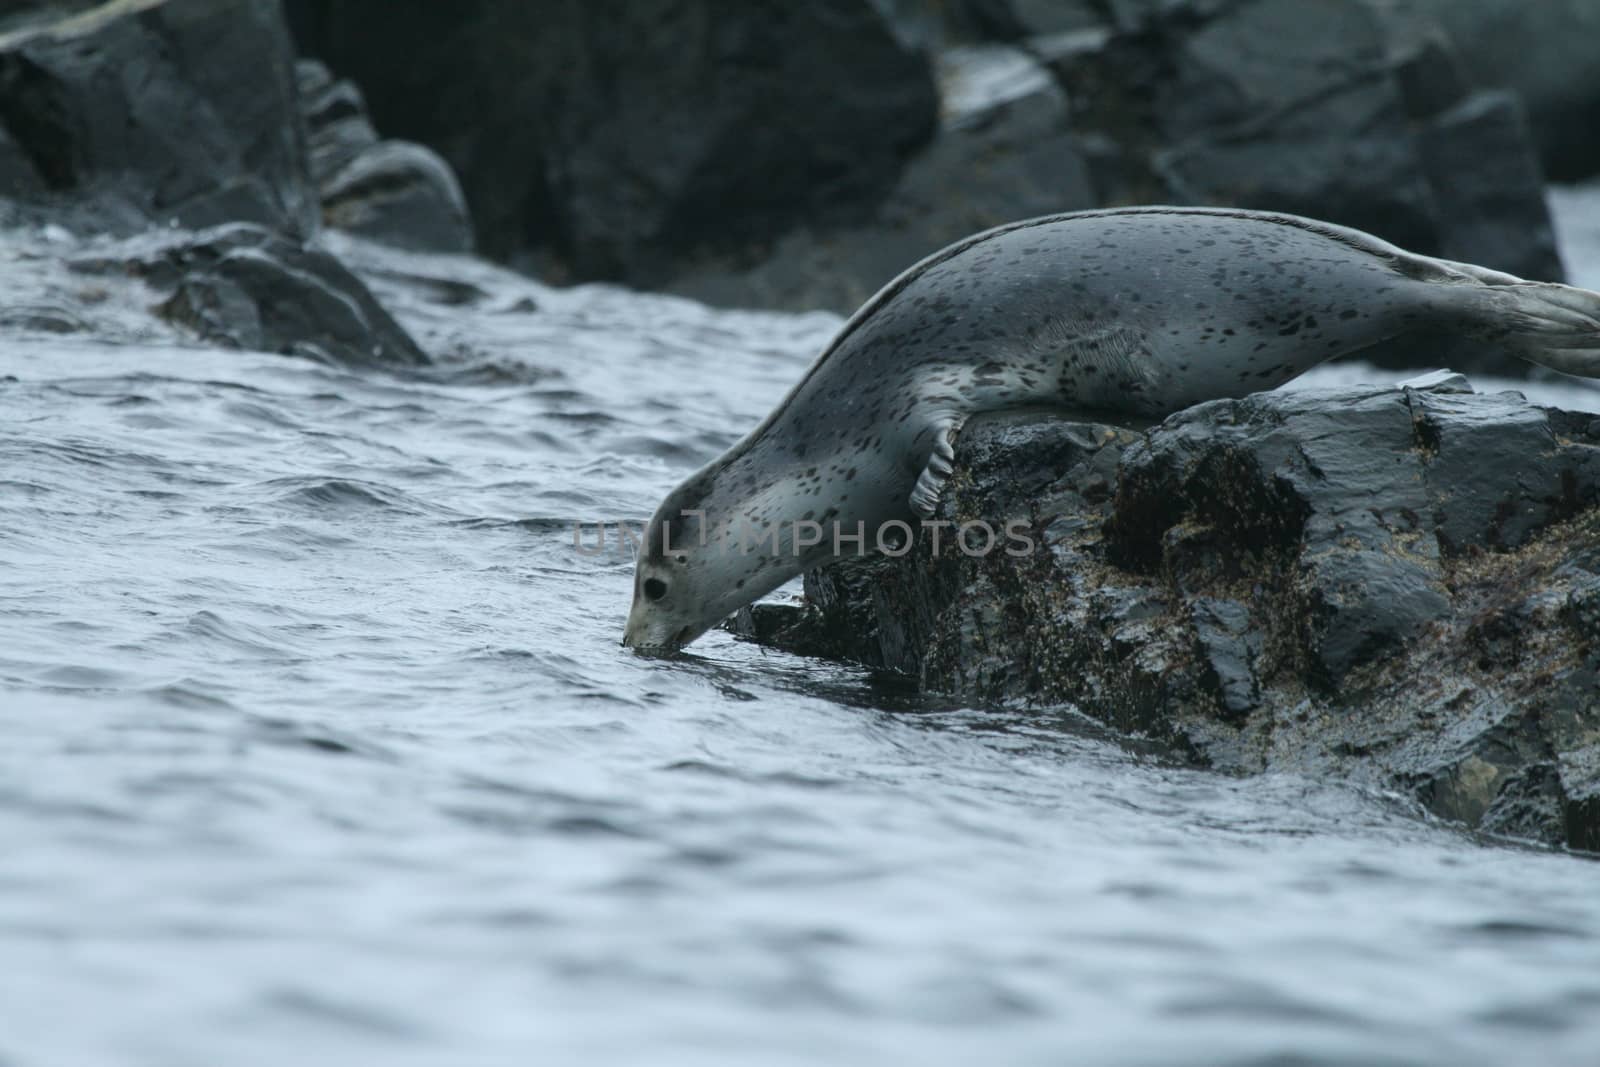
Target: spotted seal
x,y
1131,312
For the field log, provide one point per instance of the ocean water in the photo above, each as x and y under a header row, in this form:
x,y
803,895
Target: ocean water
x,y
317,745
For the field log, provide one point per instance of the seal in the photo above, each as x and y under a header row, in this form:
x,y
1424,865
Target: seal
x,y
1124,313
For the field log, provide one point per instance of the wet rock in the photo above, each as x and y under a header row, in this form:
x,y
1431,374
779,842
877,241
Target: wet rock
x,y
1004,152
242,286
1399,587
623,140
154,111
395,192
1338,485
1228,647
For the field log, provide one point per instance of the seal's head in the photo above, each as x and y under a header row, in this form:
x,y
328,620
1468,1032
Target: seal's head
x,y
691,574
670,590
721,540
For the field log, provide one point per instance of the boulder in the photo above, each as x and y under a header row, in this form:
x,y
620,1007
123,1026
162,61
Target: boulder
x,y
1488,188
396,192
1344,110
1004,151
1399,587
620,141
124,114
1338,109
243,286
1545,52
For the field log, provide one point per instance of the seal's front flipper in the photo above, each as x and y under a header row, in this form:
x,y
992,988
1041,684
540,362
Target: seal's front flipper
x,y
930,483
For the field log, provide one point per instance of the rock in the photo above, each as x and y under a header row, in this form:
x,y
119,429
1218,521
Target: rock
x,y
1313,108
1541,51
1487,187
1228,648
338,128
401,194
18,179
154,111
723,181
622,141
242,286
1545,52
1004,152
1019,20
1340,485
1399,587
1343,110
395,192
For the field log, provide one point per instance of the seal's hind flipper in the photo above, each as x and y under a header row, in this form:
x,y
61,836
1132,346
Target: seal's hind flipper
x,y
930,483
1556,326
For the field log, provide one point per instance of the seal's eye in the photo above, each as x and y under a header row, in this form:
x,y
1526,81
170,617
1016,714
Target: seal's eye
x,y
654,588
681,558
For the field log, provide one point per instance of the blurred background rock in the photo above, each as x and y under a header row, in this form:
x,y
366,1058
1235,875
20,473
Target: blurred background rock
x,y
799,156
795,156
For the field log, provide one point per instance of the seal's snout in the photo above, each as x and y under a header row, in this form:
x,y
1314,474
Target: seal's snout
x,y
632,635
651,631
668,647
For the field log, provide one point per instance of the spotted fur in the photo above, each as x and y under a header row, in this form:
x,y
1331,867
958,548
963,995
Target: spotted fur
x,y
1135,312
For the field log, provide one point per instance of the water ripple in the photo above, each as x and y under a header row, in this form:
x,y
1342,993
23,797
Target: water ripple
x,y
320,746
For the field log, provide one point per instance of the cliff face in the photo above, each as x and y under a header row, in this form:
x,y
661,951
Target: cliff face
x,y
1399,587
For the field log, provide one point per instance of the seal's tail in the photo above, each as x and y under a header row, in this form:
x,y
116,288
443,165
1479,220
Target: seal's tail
x,y
1556,326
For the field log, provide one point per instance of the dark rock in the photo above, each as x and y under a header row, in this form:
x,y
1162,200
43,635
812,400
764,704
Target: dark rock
x,y
1487,187
1339,485
925,26
622,140
1019,20
1228,649
338,128
395,192
18,179
1004,152
1396,586
164,111
401,194
1343,110
242,286
1544,51
1137,15
1502,448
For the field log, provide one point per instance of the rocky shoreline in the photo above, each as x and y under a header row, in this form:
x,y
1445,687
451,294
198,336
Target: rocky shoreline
x,y
1396,587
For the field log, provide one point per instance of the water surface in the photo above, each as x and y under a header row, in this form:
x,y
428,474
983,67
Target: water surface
x,y
320,748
